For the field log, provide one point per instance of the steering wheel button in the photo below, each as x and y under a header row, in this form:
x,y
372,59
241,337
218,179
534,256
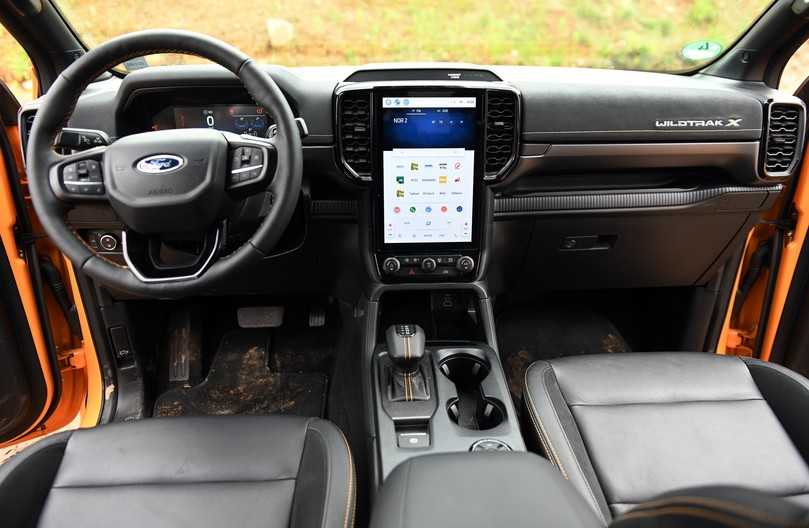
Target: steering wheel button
x,y
69,173
93,171
255,157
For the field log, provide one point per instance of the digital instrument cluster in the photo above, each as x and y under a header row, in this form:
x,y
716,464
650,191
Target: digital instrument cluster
x,y
238,118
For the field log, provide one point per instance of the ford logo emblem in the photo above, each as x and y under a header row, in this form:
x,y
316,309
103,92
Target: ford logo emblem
x,y
160,164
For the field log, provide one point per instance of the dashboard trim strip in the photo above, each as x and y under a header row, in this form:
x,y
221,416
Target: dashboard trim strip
x,y
538,203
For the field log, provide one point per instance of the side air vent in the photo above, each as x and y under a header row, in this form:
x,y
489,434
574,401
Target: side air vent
x,y
26,123
784,139
502,122
354,128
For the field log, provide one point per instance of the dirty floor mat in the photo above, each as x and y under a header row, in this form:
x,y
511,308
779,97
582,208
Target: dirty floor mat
x,y
240,382
526,335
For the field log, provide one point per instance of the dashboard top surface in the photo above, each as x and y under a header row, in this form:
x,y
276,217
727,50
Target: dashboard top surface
x,y
610,104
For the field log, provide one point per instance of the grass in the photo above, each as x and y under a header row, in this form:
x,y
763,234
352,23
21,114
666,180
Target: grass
x,y
634,34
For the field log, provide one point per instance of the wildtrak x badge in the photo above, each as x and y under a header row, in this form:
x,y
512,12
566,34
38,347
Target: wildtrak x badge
x,y
730,122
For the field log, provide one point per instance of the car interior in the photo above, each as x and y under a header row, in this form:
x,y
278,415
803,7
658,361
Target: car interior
x,y
401,294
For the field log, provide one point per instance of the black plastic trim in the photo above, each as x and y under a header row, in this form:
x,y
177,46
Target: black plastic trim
x,y
543,202
334,209
739,159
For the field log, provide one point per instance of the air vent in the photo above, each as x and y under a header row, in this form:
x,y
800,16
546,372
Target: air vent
x,y
502,118
784,139
26,123
354,115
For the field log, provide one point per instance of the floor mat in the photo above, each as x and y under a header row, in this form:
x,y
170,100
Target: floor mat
x,y
240,382
526,335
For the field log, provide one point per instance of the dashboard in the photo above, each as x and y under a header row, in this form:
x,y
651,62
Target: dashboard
x,y
557,178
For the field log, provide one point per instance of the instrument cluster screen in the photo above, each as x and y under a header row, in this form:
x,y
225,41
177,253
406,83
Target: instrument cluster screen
x,y
428,169
241,119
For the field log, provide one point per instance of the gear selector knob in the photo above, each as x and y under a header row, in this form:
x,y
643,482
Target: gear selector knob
x,y
405,346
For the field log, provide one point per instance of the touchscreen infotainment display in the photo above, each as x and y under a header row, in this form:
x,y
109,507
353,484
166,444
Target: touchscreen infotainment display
x,y
428,169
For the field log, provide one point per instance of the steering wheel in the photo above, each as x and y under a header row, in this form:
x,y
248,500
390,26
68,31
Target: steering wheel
x,y
169,181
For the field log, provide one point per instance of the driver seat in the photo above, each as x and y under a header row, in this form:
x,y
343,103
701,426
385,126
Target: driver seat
x,y
200,471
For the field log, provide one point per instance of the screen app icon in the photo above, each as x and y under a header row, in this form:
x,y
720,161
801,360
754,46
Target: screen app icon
x,y
400,180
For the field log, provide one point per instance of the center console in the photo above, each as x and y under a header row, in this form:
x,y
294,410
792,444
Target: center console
x,y
437,381
427,152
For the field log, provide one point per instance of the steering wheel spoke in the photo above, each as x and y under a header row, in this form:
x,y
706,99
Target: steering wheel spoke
x,y
79,177
145,256
252,164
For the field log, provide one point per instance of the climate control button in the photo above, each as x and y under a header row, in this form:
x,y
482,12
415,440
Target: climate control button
x,y
391,265
465,264
429,264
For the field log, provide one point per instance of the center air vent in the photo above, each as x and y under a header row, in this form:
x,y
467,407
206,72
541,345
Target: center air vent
x,y
354,128
784,139
502,119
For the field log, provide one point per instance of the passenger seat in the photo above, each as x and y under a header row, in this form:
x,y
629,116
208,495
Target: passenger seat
x,y
624,428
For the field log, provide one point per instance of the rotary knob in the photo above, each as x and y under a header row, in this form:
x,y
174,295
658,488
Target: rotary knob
x,y
428,264
391,265
465,264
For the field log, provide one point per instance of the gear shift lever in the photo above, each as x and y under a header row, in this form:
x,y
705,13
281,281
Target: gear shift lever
x,y
405,346
406,350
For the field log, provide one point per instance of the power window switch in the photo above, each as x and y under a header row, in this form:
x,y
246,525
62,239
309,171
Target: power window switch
x,y
413,440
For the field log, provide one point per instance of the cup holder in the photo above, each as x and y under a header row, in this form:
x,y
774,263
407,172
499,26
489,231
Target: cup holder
x,y
475,411
467,368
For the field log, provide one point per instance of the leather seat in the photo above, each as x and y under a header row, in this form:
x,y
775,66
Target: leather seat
x,y
201,472
624,428
522,490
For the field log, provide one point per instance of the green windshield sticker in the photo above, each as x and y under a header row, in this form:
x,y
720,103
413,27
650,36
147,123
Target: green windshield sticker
x,y
701,50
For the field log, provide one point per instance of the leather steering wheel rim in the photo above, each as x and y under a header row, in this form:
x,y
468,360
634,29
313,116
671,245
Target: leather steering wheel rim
x,y
58,105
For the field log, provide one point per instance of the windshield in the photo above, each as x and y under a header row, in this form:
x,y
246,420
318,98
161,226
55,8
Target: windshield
x,y
661,35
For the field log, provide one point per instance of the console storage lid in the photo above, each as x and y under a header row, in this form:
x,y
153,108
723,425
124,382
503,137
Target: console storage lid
x,y
484,489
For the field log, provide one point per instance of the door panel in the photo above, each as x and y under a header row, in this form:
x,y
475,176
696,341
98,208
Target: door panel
x,y
24,390
60,370
27,356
